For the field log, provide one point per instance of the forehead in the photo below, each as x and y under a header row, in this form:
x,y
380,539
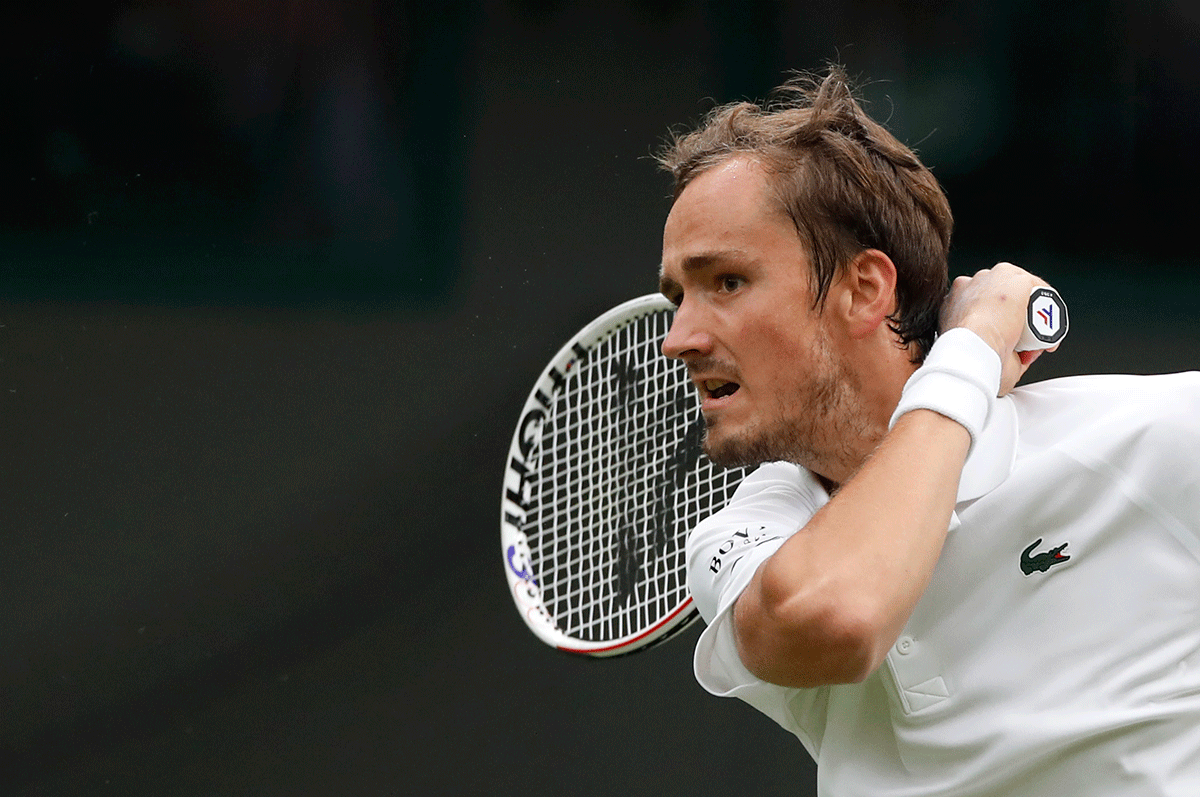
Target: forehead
x,y
733,191
730,208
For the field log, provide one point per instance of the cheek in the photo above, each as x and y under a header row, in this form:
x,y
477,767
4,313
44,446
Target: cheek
x,y
781,352
776,366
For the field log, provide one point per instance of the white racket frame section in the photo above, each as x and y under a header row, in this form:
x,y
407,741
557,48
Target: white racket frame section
x,y
515,547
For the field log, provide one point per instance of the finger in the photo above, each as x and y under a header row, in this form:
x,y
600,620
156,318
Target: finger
x,y
1014,369
1010,374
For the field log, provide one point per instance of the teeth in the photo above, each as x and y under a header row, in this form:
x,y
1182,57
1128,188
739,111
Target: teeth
x,y
713,384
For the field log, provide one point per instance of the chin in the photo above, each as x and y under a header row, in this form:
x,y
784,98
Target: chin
x,y
746,448
734,451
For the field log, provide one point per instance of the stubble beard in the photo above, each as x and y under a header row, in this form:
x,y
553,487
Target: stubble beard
x,y
818,429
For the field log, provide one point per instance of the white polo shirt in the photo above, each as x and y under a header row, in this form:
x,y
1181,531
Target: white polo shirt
x,y
1056,650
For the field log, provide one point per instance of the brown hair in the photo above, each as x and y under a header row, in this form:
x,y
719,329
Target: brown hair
x,y
846,183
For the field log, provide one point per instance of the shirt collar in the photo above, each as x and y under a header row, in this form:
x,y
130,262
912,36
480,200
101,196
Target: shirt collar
x,y
995,451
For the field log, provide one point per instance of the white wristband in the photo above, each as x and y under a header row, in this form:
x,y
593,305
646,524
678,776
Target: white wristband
x,y
959,379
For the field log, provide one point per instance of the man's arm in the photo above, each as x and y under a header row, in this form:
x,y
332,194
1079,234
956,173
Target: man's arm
x,y
830,603
833,599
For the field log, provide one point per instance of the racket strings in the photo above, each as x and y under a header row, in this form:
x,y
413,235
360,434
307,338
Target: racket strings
x,y
619,481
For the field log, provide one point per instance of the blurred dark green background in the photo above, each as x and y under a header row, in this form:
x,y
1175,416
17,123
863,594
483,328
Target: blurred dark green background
x,y
275,278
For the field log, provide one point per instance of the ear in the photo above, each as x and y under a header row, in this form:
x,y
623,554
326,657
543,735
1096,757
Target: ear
x,y
865,293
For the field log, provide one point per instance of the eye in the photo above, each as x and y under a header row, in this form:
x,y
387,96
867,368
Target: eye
x,y
730,283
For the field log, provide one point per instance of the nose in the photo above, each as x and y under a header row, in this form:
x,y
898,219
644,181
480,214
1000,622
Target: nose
x,y
686,337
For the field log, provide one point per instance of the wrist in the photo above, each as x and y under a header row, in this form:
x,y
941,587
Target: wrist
x,y
986,332
960,379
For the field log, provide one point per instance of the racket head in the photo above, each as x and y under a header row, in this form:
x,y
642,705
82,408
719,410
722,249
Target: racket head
x,y
604,480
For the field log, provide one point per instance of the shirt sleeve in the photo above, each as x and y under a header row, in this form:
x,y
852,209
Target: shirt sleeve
x,y
723,553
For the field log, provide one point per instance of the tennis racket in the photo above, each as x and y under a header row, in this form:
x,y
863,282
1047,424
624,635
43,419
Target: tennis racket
x,y
606,477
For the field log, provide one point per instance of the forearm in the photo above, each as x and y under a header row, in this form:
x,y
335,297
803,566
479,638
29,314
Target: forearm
x,y
834,598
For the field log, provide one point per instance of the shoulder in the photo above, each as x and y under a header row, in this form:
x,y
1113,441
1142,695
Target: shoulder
x,y
777,492
723,551
1138,432
1060,408
1129,384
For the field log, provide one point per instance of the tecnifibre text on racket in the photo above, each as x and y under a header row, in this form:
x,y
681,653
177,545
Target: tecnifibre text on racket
x,y
605,478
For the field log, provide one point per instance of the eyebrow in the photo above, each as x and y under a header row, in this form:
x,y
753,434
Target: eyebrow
x,y
698,262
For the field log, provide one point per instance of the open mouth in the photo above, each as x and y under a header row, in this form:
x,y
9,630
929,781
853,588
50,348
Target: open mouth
x,y
719,388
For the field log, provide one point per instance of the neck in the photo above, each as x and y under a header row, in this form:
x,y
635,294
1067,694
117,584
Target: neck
x,y
875,382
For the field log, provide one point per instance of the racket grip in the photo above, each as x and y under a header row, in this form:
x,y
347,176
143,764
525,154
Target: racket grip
x,y
1046,320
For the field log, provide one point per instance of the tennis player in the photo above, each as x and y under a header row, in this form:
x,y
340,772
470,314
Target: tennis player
x,y
941,584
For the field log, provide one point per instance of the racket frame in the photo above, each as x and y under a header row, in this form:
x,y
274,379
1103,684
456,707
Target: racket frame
x,y
517,556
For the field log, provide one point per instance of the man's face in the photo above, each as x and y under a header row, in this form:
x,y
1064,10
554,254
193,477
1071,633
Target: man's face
x,y
771,383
